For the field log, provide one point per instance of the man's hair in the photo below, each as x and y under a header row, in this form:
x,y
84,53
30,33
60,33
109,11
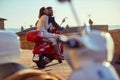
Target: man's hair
x,y
49,7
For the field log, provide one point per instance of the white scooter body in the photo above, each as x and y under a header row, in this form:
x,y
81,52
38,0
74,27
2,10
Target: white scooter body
x,y
94,71
89,55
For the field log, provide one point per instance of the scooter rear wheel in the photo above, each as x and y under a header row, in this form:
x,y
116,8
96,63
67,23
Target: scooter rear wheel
x,y
40,64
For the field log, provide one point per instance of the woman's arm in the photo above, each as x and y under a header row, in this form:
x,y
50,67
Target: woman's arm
x,y
45,20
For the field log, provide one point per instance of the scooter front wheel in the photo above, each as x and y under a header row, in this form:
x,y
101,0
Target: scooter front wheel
x,y
60,61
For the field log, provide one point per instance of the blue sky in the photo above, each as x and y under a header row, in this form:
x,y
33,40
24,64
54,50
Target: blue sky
x,y
25,12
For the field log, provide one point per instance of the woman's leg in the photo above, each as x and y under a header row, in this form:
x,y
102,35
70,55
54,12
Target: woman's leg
x,y
53,38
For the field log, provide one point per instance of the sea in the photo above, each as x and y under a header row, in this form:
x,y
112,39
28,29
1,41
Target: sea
x,y
15,30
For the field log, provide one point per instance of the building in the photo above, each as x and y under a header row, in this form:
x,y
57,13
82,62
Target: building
x,y
67,31
2,23
22,36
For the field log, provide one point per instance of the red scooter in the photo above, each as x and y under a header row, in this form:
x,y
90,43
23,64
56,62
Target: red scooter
x,y
43,50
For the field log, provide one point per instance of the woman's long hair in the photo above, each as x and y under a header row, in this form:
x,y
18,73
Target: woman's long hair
x,y
41,12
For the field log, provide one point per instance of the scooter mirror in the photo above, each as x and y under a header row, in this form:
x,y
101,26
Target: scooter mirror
x,y
63,20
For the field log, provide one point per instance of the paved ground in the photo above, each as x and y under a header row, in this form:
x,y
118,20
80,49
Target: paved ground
x,y
62,69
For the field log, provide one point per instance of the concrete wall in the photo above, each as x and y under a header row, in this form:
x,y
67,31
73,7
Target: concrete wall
x,y
116,38
24,43
100,27
2,24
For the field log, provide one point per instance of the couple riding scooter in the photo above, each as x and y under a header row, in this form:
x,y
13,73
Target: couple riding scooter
x,y
44,50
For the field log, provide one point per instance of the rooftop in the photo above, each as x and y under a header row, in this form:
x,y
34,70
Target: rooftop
x,y
2,19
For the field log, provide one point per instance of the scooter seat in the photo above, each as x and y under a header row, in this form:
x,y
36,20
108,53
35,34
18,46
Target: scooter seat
x,y
34,36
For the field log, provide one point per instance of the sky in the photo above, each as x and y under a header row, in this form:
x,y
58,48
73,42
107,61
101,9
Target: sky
x,y
25,12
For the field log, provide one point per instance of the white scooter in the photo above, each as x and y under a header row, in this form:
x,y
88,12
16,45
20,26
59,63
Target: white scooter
x,y
89,54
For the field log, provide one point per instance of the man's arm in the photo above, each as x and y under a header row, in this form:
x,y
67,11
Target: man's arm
x,y
54,23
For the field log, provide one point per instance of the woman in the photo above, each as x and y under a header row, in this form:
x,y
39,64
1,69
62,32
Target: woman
x,y
42,25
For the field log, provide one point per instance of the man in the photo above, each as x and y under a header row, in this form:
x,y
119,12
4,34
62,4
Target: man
x,y
54,24
52,20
